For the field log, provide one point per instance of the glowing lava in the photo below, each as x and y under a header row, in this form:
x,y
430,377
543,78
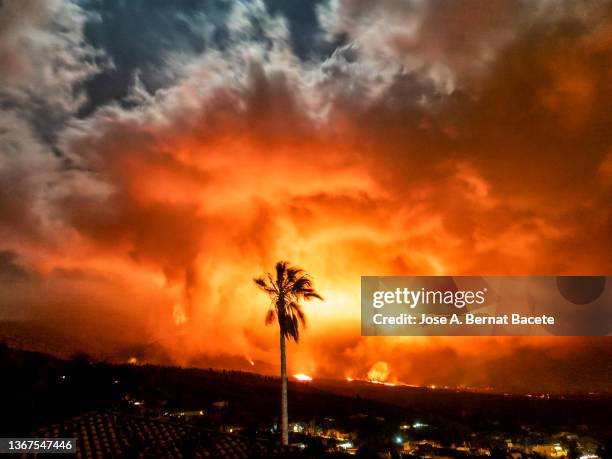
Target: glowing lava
x,y
303,378
379,372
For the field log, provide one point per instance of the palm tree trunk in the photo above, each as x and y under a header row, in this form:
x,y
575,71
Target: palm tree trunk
x,y
284,414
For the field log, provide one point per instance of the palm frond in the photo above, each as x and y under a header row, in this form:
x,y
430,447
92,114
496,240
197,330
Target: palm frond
x,y
296,310
293,272
270,316
281,268
303,288
308,295
291,328
301,283
262,284
272,282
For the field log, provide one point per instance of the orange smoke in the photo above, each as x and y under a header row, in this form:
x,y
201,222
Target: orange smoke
x,y
146,246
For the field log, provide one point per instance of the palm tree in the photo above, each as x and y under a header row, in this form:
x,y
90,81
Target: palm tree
x,y
292,284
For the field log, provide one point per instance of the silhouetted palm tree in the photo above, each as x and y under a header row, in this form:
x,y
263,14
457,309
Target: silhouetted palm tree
x,y
290,286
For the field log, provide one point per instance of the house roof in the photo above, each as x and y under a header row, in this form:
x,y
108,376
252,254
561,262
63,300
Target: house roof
x,y
113,434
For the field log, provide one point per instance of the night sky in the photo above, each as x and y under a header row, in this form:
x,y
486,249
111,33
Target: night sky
x,y
155,156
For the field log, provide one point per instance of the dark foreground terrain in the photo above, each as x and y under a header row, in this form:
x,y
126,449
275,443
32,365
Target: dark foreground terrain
x,y
39,390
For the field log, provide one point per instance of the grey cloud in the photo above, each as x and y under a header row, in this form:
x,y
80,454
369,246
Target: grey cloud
x,y
43,57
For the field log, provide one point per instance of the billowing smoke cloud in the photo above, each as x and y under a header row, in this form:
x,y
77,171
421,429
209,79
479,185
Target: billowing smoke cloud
x,y
428,140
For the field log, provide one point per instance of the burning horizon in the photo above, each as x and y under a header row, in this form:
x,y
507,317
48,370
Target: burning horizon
x,y
141,191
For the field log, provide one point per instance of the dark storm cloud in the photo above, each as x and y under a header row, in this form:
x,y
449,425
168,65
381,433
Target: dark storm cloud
x,y
307,37
139,35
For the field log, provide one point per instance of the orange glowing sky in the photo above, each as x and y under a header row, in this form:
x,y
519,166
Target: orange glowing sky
x,y
431,139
